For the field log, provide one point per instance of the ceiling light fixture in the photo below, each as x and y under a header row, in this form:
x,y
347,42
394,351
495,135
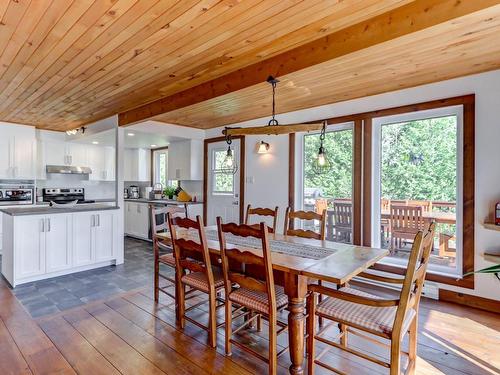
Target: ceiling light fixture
x,y
263,147
229,164
130,134
321,164
95,142
81,129
153,146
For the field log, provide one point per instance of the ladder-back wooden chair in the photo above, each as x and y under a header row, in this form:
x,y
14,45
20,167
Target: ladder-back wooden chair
x,y
163,252
290,217
194,257
261,297
266,212
389,319
405,221
342,216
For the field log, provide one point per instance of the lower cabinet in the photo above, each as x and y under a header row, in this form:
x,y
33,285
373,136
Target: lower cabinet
x,y
55,244
137,217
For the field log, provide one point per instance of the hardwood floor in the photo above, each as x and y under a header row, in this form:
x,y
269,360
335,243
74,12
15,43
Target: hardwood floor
x,y
129,334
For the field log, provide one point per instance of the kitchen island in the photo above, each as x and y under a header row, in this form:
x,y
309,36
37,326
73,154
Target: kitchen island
x,y
40,242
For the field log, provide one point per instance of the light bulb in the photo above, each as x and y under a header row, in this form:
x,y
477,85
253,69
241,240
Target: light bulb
x,y
321,159
229,158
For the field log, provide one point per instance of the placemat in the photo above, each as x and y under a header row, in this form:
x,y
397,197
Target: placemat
x,y
300,250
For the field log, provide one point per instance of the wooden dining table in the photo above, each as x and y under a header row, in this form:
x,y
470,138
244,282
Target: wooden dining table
x,y
340,266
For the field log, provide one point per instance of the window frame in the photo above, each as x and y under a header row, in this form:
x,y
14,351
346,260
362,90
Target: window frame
x,y
154,165
215,171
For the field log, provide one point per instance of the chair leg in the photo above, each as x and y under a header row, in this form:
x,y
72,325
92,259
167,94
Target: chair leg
x,y
273,342
157,280
229,317
343,338
259,323
311,330
212,325
181,296
395,356
320,319
412,350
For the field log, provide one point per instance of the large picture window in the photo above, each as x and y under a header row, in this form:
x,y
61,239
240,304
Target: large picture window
x,y
417,168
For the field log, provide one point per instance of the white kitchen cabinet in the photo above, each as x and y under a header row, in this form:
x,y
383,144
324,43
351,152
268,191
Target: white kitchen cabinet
x,y
58,234
17,152
137,164
76,153
103,236
137,219
83,250
185,160
101,161
29,250
194,210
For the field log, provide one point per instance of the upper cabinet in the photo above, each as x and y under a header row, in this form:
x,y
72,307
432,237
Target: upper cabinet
x,y
101,161
17,152
137,164
185,160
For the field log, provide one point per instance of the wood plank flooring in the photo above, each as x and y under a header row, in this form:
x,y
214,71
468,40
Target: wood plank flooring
x,y
130,334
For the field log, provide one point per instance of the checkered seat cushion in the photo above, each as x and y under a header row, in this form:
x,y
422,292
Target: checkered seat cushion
x,y
167,259
378,319
257,301
198,280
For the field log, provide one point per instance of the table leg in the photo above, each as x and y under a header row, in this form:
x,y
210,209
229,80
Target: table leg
x,y
296,289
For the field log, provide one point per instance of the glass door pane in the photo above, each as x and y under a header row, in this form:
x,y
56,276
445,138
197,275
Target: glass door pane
x,y
418,169
331,190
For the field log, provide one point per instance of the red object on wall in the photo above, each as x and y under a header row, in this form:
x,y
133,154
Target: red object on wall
x,y
497,213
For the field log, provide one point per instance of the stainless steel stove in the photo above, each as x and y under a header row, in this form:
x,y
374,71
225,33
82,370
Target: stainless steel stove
x,y
65,195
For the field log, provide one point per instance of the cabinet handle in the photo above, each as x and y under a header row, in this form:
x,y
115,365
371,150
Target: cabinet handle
x,y
42,225
92,221
48,225
98,220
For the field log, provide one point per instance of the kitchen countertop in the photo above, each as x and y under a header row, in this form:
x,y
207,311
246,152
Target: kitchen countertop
x,y
160,201
47,210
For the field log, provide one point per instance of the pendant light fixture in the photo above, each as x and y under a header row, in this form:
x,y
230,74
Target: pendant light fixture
x,y
229,165
321,164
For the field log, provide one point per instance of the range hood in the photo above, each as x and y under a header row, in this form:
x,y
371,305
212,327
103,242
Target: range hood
x,y
67,169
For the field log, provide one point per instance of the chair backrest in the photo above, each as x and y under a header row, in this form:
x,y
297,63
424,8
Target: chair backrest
x,y
320,205
235,259
189,253
406,218
290,216
426,205
385,204
415,275
158,226
342,214
258,211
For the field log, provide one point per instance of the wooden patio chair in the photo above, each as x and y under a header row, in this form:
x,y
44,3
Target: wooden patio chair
x,y
444,245
195,257
266,212
290,216
405,222
389,319
320,205
162,248
385,205
261,297
342,216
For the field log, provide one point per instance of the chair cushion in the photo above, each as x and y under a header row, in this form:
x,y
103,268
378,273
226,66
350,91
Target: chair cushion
x,y
167,259
258,301
378,319
198,280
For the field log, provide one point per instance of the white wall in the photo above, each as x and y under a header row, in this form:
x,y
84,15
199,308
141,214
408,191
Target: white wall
x,y
271,172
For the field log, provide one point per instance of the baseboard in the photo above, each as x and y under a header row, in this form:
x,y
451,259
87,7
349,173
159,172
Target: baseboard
x,y
469,300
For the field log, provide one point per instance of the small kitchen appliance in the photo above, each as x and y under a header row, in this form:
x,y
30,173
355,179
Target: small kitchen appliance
x,y
133,192
11,194
125,193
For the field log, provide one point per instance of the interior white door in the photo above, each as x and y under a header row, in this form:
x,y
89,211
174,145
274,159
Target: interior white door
x,y
223,198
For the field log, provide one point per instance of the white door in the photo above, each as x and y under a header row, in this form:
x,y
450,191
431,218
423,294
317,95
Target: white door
x,y
29,247
83,226
103,236
223,189
58,232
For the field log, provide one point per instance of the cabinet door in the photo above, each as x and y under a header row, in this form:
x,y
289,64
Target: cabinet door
x,y
24,156
6,155
143,220
83,225
29,246
103,236
95,160
129,165
55,153
58,233
109,163
77,153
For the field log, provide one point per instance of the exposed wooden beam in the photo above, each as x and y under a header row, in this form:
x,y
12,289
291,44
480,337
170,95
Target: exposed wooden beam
x,y
407,19
273,129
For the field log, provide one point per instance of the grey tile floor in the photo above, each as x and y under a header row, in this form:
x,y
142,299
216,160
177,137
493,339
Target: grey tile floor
x,y
65,292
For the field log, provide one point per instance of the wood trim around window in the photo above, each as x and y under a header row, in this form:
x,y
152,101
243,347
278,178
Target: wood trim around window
x,y
366,118
242,174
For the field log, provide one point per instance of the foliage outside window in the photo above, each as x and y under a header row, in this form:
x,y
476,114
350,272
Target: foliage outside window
x,y
223,183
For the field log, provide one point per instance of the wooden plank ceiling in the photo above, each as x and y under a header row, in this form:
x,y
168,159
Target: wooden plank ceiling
x,y
65,63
